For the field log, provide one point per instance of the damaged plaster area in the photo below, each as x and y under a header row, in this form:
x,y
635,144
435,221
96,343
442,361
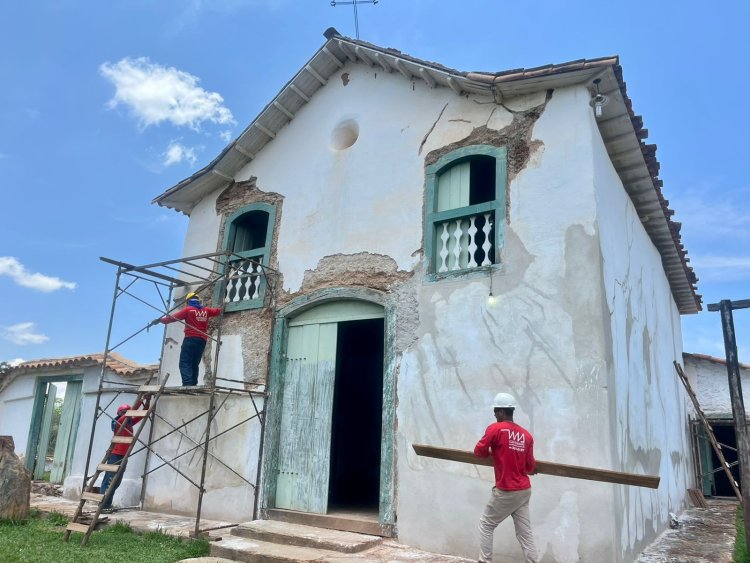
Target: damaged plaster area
x,y
364,269
515,136
254,326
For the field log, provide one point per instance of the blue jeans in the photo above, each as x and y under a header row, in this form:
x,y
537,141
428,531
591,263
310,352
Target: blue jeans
x,y
107,481
190,359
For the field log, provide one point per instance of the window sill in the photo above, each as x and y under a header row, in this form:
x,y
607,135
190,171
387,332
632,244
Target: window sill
x,y
244,305
465,274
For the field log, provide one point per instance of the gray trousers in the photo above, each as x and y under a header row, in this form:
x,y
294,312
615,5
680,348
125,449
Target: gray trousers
x,y
501,505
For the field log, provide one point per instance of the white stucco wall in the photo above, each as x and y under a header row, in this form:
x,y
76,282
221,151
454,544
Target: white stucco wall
x,y
648,408
233,458
560,336
711,386
16,406
543,341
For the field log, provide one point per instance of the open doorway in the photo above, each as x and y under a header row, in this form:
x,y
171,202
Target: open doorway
x,y
356,429
54,427
725,435
330,462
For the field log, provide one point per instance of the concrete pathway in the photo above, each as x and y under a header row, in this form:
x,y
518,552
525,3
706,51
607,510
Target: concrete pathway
x,y
705,535
139,520
230,547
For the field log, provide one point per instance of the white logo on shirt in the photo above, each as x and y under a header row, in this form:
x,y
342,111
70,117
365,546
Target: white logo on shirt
x,y
516,440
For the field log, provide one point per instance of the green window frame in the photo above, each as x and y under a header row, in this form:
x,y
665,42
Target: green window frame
x,y
442,262
246,284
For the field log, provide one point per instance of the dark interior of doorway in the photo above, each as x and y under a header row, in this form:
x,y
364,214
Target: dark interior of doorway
x,y
354,483
725,435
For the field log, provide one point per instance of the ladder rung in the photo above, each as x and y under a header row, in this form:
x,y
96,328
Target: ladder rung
x,y
75,527
149,388
138,413
96,497
108,467
122,439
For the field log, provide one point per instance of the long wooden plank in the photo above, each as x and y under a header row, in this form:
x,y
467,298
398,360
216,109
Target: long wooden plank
x,y
546,467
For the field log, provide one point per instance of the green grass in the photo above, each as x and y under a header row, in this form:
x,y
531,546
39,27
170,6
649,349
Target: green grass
x,y
41,539
740,547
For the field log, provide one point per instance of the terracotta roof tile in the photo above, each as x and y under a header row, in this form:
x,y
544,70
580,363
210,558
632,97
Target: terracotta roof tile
x,y
115,362
711,359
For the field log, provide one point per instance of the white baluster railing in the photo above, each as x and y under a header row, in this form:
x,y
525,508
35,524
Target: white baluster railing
x,y
243,282
465,242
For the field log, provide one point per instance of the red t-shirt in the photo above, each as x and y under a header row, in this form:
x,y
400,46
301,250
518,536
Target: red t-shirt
x,y
512,454
196,320
123,429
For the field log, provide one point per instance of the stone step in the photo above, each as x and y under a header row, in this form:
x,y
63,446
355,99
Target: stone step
x,y
286,533
350,523
253,551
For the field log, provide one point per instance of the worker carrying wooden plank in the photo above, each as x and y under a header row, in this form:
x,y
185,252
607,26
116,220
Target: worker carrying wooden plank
x,y
509,448
512,449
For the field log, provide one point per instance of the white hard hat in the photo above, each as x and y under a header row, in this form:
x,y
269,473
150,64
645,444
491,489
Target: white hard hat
x,y
504,401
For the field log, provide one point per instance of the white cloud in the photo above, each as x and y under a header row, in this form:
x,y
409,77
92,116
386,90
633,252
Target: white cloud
x,y
12,268
177,152
156,93
22,334
195,11
712,213
724,262
723,268
15,362
225,136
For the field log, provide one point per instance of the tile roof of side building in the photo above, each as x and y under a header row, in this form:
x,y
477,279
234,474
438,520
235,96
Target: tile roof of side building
x,y
115,362
711,359
622,132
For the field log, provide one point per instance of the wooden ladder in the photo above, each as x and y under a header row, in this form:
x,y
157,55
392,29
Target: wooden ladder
x,y
709,431
147,391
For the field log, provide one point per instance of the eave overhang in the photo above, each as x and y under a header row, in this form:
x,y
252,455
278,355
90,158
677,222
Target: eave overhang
x,y
622,131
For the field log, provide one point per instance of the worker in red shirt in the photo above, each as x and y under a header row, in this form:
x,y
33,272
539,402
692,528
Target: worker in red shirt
x,y
512,449
121,426
195,317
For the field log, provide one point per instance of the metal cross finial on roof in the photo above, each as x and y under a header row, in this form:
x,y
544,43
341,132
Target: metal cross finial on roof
x,y
354,3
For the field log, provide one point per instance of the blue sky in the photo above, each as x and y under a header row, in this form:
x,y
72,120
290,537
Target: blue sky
x,y
87,138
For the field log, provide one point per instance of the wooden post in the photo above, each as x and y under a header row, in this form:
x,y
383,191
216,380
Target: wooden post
x,y
738,405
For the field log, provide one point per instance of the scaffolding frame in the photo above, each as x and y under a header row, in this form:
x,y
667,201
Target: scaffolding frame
x,y
192,272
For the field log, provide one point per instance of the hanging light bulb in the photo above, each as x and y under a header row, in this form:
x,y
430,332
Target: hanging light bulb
x,y
491,299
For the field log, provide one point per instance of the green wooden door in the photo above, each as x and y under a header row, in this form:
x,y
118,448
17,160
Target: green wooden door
x,y
67,432
307,403
44,432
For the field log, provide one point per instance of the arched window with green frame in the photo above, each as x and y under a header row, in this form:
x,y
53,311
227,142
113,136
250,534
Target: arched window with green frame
x,y
465,209
247,236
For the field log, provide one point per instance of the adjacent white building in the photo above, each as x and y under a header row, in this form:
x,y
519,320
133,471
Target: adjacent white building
x,y
710,382
33,390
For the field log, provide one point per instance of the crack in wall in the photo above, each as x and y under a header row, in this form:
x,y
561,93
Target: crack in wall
x,y
516,137
430,130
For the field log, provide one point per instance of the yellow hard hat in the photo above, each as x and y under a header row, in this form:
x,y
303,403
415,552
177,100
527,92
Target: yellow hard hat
x,y
192,295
